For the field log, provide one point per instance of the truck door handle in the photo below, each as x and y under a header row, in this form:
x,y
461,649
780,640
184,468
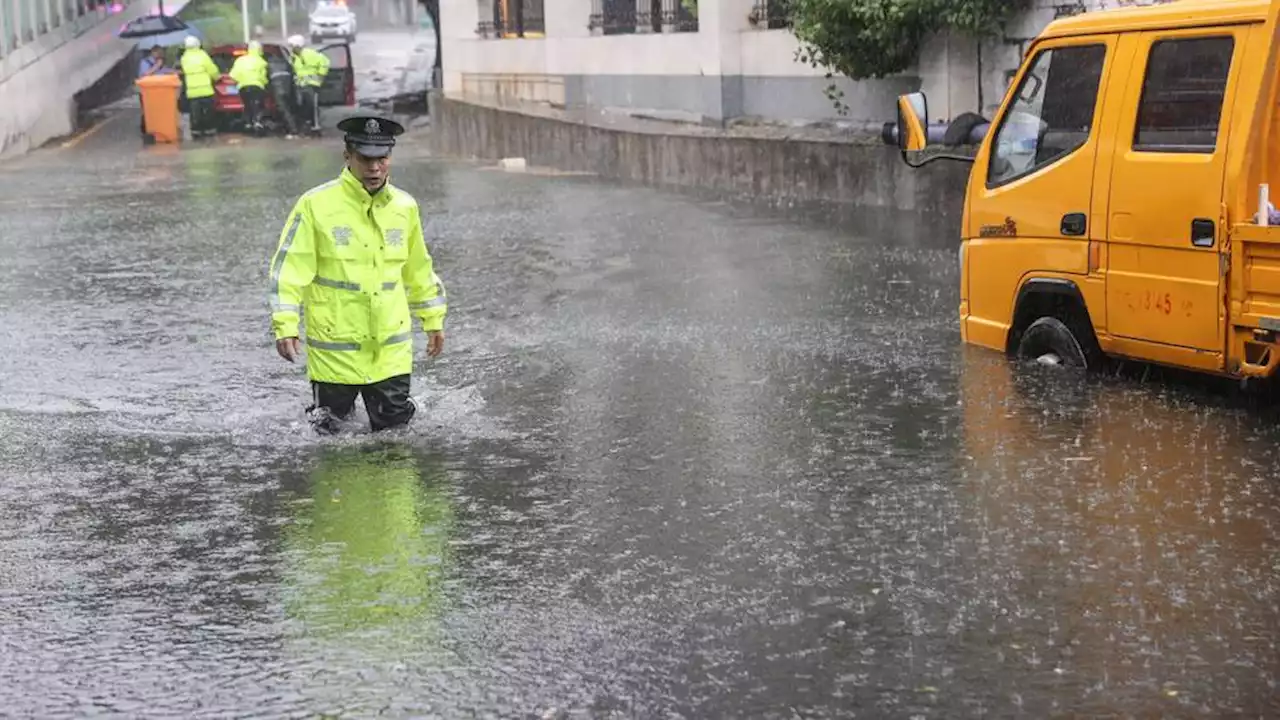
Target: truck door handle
x,y
1074,224
1202,233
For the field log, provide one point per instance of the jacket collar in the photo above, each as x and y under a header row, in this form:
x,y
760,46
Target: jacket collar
x,y
355,189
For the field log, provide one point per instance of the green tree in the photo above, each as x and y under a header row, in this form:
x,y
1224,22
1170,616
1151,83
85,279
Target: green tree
x,y
874,38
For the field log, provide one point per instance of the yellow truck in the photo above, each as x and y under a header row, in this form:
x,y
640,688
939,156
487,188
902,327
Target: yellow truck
x,y
1118,204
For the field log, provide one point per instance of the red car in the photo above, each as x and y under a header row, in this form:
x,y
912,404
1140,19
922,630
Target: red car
x,y
339,84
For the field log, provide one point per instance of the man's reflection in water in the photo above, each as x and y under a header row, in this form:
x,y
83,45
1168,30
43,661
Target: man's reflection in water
x,y
368,548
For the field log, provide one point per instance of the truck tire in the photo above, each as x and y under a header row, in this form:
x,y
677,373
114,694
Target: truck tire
x,y
1050,341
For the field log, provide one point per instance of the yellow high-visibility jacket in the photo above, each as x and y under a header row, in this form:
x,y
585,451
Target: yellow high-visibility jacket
x,y
250,70
357,266
310,67
200,73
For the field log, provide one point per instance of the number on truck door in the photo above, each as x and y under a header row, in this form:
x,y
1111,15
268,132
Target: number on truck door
x,y
1163,275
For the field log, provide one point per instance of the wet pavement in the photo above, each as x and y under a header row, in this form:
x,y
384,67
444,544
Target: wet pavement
x,y
680,459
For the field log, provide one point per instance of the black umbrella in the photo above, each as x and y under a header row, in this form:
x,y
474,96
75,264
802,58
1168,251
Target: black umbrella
x,y
152,25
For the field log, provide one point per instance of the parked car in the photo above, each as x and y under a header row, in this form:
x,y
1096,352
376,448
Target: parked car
x,y
339,85
333,20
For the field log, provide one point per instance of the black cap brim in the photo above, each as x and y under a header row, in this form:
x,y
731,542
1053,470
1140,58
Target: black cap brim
x,y
371,151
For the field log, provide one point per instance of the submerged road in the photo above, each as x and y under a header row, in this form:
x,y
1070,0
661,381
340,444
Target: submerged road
x,y
680,459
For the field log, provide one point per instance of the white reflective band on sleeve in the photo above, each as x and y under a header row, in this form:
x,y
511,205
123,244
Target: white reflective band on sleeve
x,y
397,339
322,345
389,286
278,265
433,302
277,306
338,284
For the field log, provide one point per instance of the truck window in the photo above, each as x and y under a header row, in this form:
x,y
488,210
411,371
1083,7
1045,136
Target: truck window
x,y
1051,114
1182,95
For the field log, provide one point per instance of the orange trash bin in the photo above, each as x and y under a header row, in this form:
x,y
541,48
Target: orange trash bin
x,y
160,106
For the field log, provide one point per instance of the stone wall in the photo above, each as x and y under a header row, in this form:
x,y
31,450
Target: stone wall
x,y
861,184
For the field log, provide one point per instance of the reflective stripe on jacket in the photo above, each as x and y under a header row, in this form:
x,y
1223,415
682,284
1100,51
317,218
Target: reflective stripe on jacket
x,y
310,67
358,267
199,72
250,70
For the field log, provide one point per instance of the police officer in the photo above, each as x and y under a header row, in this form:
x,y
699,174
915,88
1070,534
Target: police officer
x,y
199,73
352,254
309,70
250,73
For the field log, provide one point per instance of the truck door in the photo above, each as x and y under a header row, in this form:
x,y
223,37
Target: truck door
x,y
1029,199
1166,239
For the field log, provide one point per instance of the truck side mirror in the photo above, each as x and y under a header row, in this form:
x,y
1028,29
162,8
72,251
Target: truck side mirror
x,y
913,119
911,132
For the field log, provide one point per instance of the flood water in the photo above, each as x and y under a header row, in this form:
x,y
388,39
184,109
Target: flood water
x,y
679,459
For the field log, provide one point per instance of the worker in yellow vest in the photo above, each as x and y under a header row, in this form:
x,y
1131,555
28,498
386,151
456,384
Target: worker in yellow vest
x,y
309,70
250,73
199,73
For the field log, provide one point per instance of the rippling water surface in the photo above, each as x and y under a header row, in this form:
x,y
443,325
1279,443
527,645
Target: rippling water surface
x,y
680,459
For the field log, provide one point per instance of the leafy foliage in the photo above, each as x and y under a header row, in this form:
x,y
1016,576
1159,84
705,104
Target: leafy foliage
x,y
875,38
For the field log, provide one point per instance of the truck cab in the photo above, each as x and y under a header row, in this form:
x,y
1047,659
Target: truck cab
x,y
1116,205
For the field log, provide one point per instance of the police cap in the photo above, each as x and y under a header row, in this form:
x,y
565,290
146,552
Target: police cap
x,y
370,136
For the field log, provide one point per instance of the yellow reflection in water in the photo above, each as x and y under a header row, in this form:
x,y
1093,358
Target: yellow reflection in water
x,y
1124,538
369,548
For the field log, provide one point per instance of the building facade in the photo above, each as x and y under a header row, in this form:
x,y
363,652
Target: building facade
x,y
706,60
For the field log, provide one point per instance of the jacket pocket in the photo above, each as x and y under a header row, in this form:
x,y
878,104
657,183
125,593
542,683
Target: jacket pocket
x,y
321,314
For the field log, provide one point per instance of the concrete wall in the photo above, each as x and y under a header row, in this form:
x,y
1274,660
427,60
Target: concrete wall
x,y
867,186
40,79
777,86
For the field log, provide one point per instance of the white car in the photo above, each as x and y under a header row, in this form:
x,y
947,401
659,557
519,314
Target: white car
x,y
333,21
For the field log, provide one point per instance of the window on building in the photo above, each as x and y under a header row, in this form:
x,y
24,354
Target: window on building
x,y
770,14
622,17
1052,112
1182,95
514,19
619,17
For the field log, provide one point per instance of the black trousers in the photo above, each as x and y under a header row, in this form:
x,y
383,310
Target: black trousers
x,y
201,115
253,98
281,89
387,403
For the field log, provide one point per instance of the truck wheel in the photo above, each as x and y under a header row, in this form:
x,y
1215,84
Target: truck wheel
x,y
1048,340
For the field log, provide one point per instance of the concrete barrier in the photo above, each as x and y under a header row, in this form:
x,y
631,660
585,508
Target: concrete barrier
x,y
857,182
39,81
